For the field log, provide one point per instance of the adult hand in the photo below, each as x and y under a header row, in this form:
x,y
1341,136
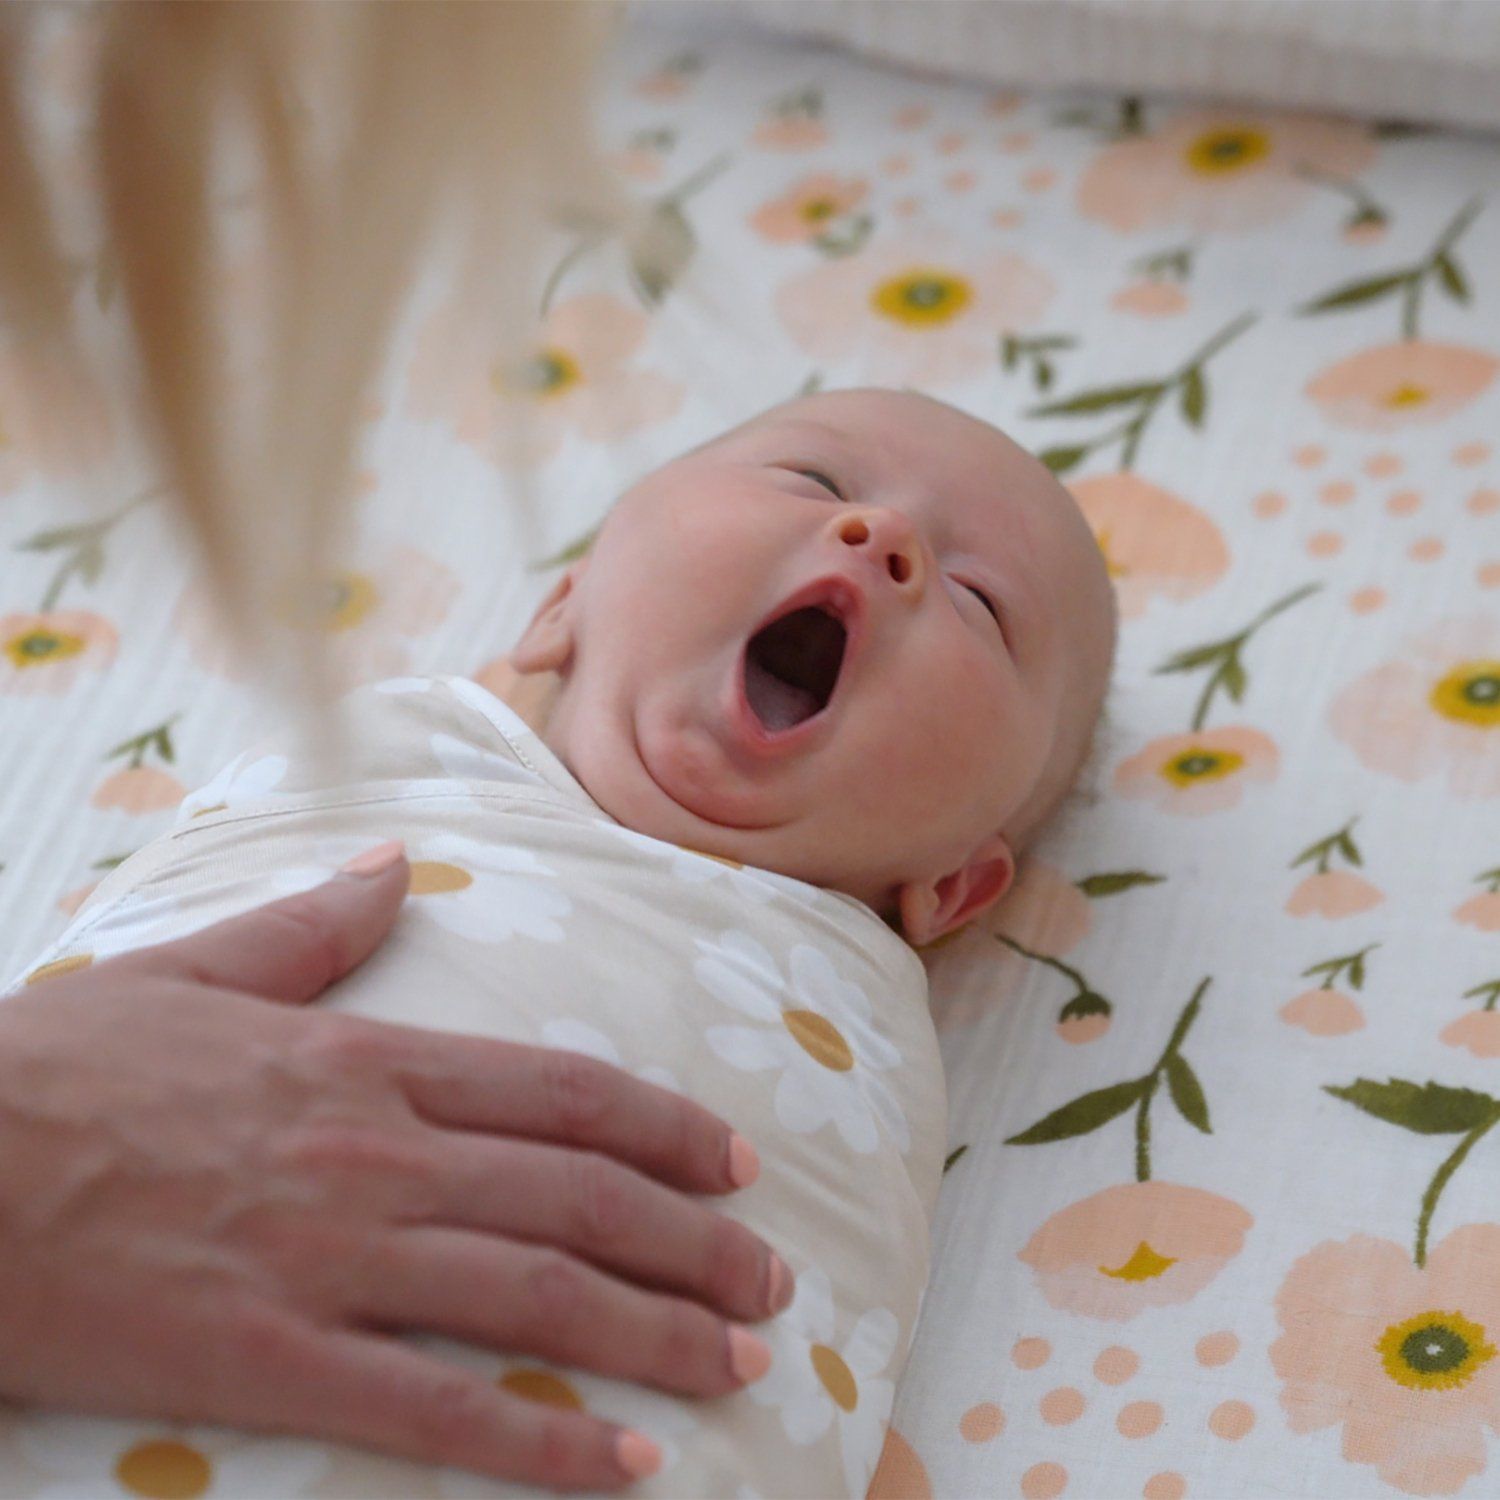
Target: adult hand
x,y
214,1209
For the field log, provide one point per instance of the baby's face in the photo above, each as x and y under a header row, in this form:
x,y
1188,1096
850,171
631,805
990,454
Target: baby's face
x,y
893,739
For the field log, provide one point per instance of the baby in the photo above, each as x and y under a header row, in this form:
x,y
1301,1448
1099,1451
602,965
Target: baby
x,y
811,691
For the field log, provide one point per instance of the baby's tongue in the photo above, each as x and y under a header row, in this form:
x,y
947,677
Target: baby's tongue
x,y
779,705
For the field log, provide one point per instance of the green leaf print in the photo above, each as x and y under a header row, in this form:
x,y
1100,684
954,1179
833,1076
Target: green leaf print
x,y
1194,396
1427,1108
1357,292
1060,460
1081,1115
1097,400
1111,883
953,1157
1452,278
1187,1093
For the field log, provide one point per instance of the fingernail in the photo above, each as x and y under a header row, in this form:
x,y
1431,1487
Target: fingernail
x,y
744,1164
637,1454
373,861
780,1289
749,1356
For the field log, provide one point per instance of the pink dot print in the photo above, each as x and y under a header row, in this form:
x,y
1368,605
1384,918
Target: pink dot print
x,y
1336,492
1007,218
1030,1353
1483,502
1116,1364
961,182
1467,455
954,140
1268,503
1140,1419
1061,1406
905,208
1168,1485
896,166
1231,1420
910,116
1383,465
1403,503
1038,179
982,1423
1044,1481
1017,142
1488,575
1325,544
1425,549
1309,456
1215,1349
1364,602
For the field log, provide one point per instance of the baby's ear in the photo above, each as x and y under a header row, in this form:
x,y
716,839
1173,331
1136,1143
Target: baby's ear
x,y
546,645
929,909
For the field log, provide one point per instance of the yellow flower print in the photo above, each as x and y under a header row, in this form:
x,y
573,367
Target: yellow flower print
x,y
1434,709
47,652
1400,385
922,296
1434,1351
1226,148
1199,772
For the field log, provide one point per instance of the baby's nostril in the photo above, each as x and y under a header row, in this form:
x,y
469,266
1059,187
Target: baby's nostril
x,y
900,568
856,533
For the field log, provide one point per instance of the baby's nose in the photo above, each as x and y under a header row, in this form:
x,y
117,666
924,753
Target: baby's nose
x,y
889,541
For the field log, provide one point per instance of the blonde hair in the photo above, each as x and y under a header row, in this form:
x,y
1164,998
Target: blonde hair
x,y
370,128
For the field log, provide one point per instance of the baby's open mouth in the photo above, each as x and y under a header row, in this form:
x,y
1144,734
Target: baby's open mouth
x,y
792,667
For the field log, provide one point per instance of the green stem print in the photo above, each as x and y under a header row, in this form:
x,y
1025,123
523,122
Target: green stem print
x,y
1490,880
1332,969
1409,282
158,738
1188,381
1014,349
1490,990
1129,119
1426,1109
1223,656
1366,209
1086,1001
1322,852
1176,263
81,546
1088,1112
805,103
845,235
659,248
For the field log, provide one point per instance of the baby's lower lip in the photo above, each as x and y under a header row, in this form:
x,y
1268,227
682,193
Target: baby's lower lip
x,y
749,732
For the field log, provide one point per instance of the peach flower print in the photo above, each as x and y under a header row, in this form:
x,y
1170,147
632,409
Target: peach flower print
x,y
1202,772
1218,170
807,208
1323,1012
1404,1357
139,789
1134,1246
368,613
1478,1031
1482,911
1150,299
1402,385
1155,544
1334,893
578,379
918,310
1434,710
48,652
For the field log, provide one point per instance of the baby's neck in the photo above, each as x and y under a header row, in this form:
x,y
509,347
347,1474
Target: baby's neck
x,y
529,694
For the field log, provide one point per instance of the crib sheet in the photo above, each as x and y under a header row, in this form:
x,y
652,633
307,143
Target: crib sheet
x,y
1220,1218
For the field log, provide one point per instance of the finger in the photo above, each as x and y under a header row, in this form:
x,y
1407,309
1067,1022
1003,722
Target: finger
x,y
292,949
529,1299
608,1214
363,1388
548,1093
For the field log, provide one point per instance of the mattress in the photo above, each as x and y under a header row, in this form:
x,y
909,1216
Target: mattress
x,y
1220,1216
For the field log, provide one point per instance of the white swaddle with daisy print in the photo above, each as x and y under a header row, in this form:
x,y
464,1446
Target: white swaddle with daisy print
x,y
792,1012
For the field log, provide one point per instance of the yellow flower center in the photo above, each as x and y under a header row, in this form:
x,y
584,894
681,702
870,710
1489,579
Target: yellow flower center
x,y
1406,395
38,647
922,297
1434,1351
430,877
1142,1265
1227,150
336,603
59,967
164,1469
1201,764
549,372
541,1386
1470,693
815,210
1113,568
838,1380
819,1038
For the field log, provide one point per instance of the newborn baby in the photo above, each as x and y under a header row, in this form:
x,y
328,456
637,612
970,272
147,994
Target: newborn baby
x,y
813,688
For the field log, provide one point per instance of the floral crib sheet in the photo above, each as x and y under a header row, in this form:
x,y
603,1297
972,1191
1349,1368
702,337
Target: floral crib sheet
x,y
1222,1210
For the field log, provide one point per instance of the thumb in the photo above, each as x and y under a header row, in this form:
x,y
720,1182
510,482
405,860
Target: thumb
x,y
293,949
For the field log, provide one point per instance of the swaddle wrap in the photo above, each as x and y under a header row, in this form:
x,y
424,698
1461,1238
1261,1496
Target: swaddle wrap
x,y
792,1012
